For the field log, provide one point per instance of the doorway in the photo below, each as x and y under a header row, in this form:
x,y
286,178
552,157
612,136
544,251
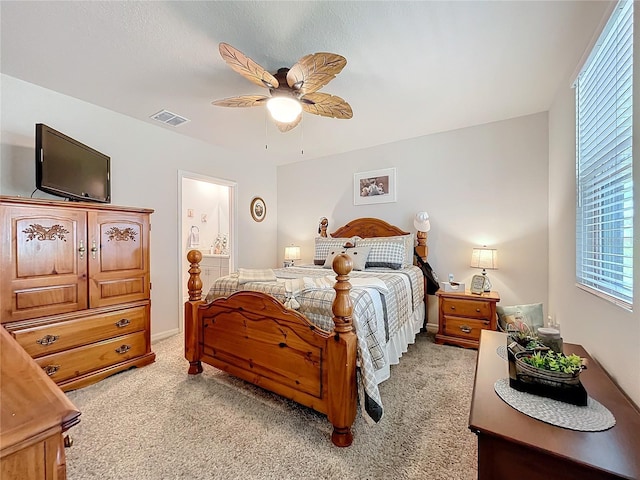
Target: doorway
x,y
206,222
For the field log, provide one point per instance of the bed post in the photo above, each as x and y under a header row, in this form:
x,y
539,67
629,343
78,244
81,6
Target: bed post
x,y
342,387
191,340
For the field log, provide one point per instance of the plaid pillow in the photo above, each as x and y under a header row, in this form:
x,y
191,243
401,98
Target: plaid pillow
x,y
408,242
324,244
390,254
246,275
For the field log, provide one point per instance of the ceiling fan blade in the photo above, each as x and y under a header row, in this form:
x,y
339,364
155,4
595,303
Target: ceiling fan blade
x,y
247,67
314,71
242,101
285,127
326,105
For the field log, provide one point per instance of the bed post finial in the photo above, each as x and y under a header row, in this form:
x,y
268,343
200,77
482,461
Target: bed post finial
x,y
195,283
322,227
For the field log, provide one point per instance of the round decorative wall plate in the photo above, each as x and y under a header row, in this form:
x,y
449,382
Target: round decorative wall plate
x,y
258,209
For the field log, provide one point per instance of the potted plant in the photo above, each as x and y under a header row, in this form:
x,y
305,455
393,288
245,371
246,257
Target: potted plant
x,y
549,368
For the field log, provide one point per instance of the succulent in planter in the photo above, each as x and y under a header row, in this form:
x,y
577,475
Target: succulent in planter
x,y
555,362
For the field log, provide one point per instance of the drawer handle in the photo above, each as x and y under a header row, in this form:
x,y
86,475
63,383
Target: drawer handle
x,y
453,307
51,369
123,322
478,310
48,340
123,349
465,329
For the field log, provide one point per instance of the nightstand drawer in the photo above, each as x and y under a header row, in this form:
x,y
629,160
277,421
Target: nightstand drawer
x,y
82,360
60,336
466,308
465,327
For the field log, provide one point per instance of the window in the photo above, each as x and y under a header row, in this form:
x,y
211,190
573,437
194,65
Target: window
x,y
604,213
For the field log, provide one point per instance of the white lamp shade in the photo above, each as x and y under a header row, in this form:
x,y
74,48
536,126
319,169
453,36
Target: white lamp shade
x,y
284,109
421,222
484,258
292,253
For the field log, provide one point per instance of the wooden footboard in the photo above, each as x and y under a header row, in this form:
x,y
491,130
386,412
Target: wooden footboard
x,y
253,336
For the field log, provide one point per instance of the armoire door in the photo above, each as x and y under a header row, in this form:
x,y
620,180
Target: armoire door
x,y
43,254
118,253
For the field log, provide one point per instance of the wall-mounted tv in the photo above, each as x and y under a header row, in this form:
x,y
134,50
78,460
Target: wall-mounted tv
x,y
67,168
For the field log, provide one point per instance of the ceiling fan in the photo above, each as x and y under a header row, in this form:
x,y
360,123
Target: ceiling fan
x,y
291,90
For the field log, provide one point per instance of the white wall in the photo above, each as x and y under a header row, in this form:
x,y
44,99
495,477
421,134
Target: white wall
x,y
145,160
485,185
609,333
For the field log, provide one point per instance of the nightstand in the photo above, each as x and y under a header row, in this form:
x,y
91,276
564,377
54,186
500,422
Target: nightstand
x,y
462,316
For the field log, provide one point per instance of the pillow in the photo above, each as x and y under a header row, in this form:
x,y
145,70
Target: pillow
x,y
358,255
324,244
408,242
246,275
532,315
390,253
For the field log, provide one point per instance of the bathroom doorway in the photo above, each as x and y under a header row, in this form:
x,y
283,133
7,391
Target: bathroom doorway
x,y
207,219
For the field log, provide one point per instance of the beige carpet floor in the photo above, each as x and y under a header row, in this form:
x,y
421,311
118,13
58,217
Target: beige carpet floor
x,y
158,422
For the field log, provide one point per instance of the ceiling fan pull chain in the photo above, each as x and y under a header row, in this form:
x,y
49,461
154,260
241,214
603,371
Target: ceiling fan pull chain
x,y
302,136
266,135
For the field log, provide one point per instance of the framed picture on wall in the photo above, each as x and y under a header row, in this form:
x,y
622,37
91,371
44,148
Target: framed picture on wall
x,y
258,209
374,186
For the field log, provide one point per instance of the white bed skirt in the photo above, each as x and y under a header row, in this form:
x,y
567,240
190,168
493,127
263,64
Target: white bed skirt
x,y
399,343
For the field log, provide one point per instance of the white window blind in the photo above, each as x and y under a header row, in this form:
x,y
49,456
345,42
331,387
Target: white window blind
x,y
604,214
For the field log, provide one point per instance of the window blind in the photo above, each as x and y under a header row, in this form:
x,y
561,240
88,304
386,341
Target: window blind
x,y
604,214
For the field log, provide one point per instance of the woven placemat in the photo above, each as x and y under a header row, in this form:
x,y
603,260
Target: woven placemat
x,y
594,417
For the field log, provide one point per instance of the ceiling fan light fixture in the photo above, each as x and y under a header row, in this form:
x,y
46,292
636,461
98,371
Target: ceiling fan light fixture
x,y
284,109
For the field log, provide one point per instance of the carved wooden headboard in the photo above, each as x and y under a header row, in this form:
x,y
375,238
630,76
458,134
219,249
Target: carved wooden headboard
x,y
367,228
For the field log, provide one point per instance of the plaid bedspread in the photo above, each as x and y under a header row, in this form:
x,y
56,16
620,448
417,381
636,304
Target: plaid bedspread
x,y
404,293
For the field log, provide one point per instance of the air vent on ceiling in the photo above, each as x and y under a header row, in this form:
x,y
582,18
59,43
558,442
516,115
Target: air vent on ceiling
x,y
169,118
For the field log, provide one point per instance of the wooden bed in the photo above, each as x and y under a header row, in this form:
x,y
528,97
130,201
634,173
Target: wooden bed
x,y
252,336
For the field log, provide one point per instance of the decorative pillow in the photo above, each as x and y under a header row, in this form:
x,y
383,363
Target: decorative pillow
x,y
532,315
408,242
358,256
246,275
390,254
324,244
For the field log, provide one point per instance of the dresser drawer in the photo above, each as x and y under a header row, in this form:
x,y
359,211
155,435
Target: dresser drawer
x,y
82,360
55,337
466,308
465,327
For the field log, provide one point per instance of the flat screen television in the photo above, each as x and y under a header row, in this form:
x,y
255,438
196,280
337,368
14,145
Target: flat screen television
x,y
67,168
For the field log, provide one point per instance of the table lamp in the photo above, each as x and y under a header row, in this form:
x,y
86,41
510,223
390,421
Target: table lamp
x,y
291,253
483,257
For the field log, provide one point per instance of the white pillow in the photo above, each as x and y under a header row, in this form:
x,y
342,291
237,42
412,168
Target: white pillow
x,y
324,244
388,252
358,256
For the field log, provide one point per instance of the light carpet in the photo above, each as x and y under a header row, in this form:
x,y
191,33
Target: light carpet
x,y
158,422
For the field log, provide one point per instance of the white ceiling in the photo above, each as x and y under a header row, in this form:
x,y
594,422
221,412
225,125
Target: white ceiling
x,y
413,68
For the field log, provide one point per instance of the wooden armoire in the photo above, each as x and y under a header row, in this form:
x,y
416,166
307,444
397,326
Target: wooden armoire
x,y
75,286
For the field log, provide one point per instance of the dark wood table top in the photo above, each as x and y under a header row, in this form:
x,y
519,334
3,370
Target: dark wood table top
x,y
616,450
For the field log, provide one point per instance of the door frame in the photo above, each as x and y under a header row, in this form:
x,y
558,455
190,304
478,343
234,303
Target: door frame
x,y
233,221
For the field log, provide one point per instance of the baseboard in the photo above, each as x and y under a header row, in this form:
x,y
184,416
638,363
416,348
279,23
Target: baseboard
x,y
163,335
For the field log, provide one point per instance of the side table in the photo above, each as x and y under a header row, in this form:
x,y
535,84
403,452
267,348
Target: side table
x,y
462,316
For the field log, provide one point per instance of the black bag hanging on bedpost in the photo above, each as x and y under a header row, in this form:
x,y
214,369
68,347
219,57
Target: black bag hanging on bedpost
x,y
432,280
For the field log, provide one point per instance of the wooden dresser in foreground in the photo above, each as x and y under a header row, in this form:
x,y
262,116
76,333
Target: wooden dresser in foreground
x,y
462,316
512,445
75,286
34,415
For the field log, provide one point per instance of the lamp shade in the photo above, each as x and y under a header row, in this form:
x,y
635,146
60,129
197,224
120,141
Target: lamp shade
x,y
484,257
292,253
421,222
